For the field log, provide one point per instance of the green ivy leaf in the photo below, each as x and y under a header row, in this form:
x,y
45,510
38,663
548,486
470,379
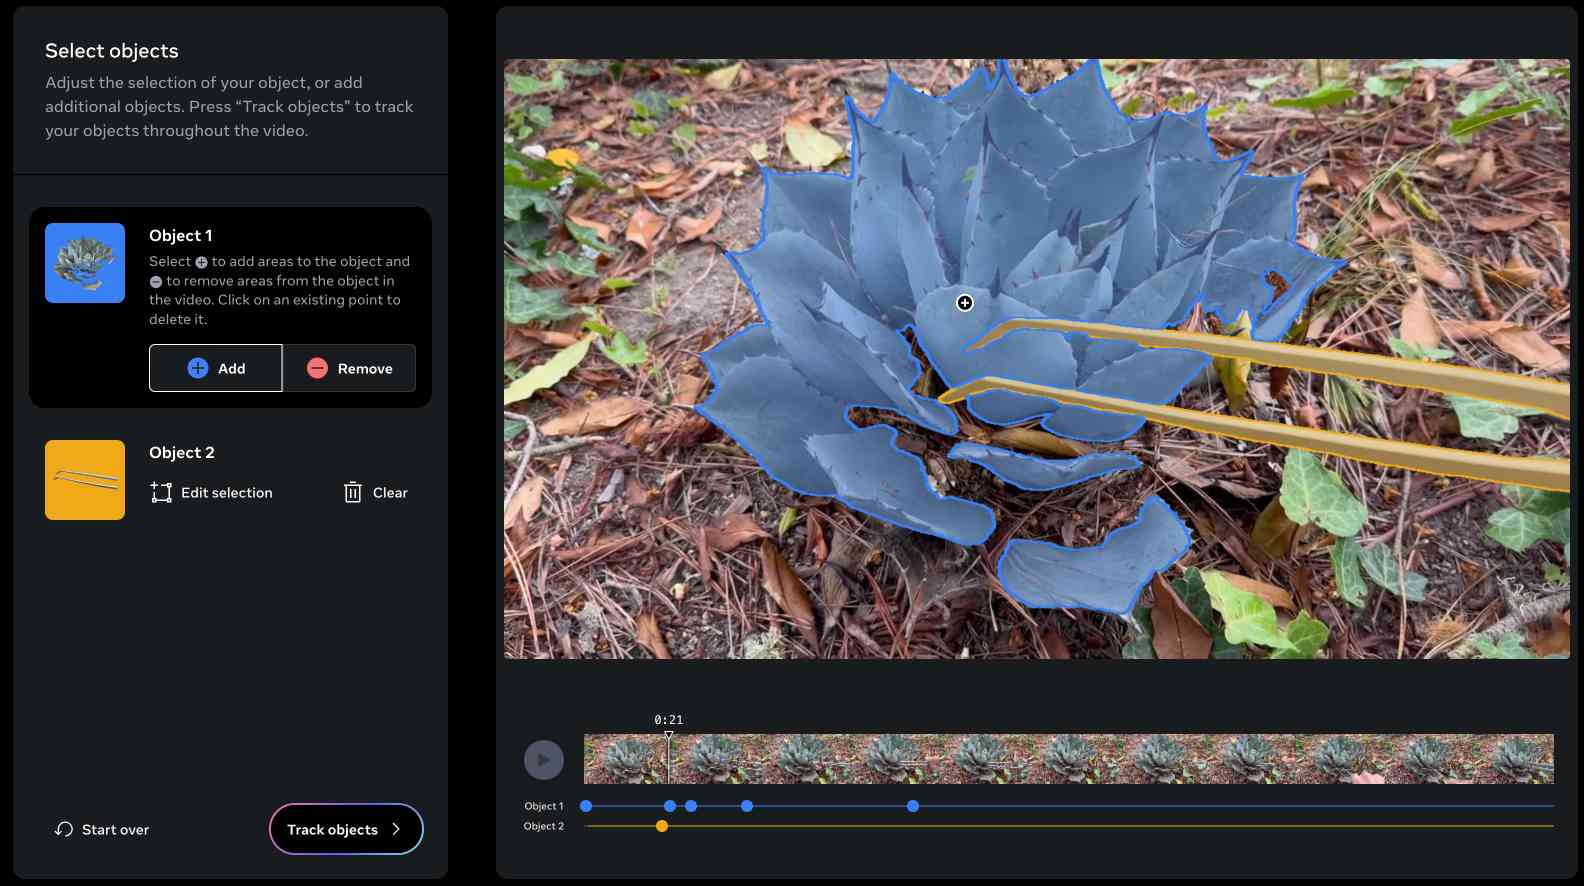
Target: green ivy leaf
x,y
1191,588
651,104
539,116
1262,83
1307,634
1334,93
1345,561
1381,567
1385,87
525,304
623,351
1311,493
1510,647
1461,129
1484,420
550,371
1539,501
1410,351
1142,646
1517,530
1476,101
1248,618
522,84
1411,63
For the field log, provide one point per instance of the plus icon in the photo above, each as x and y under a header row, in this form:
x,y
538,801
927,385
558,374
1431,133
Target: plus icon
x,y
197,367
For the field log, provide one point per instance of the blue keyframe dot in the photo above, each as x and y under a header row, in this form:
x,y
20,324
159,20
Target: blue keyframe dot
x,y
912,806
747,805
691,805
585,806
670,806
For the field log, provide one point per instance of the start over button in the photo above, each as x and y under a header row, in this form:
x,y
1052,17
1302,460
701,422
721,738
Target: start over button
x,y
351,368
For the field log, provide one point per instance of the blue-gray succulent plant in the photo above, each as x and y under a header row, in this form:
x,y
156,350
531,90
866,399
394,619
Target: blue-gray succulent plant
x,y
962,212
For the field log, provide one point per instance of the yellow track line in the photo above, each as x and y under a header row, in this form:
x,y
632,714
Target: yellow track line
x,y
1538,473
1501,387
1197,826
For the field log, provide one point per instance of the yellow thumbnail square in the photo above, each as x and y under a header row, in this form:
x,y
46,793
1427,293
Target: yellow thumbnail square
x,y
85,479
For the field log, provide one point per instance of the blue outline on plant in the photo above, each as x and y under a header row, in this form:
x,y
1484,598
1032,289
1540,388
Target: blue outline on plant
x,y
841,283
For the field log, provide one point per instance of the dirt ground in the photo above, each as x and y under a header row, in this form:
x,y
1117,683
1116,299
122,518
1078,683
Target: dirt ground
x,y
650,538
1469,758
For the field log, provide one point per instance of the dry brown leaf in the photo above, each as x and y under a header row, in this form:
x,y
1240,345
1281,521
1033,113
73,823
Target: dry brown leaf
x,y
1458,162
643,228
1389,206
688,388
1481,294
1484,171
693,228
733,531
1503,223
525,501
597,416
1317,179
649,635
1515,275
1418,323
1551,636
1381,227
1053,641
1529,348
1432,268
788,591
1265,591
1273,533
599,228
661,184
1178,635
1472,330
1031,440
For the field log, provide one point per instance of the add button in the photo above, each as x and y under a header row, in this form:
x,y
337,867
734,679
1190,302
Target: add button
x,y
206,368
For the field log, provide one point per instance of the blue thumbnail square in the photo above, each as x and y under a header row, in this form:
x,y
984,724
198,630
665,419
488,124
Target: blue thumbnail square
x,y
84,262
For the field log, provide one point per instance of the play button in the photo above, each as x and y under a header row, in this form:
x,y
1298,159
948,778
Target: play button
x,y
544,760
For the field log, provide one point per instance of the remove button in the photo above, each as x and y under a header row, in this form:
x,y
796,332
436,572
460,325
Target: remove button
x,y
351,368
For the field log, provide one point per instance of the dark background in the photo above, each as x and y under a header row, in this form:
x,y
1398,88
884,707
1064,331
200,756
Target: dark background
x,y
196,665
562,700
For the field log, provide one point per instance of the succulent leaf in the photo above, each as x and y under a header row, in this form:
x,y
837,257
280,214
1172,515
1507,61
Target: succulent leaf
x,y
962,212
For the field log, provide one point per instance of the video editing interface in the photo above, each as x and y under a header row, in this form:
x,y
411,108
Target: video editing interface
x,y
928,466
230,562
912,456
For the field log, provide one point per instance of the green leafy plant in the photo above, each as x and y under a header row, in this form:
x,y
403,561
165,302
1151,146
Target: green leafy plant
x,y
1162,758
1333,93
986,758
805,758
1426,759
80,260
628,761
1070,756
1510,646
1250,756
1250,618
1518,760
1312,493
1535,516
1340,757
715,757
896,757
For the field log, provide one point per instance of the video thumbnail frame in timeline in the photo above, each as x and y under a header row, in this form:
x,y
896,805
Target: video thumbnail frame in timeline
x,y
1091,758
650,521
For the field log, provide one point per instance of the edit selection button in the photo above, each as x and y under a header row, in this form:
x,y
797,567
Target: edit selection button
x,y
346,829
214,368
351,368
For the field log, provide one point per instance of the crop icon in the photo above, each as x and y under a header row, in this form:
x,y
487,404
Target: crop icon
x,y
83,262
964,212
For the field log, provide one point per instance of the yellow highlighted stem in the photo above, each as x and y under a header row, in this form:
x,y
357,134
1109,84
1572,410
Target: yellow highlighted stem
x,y
1524,391
1537,473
